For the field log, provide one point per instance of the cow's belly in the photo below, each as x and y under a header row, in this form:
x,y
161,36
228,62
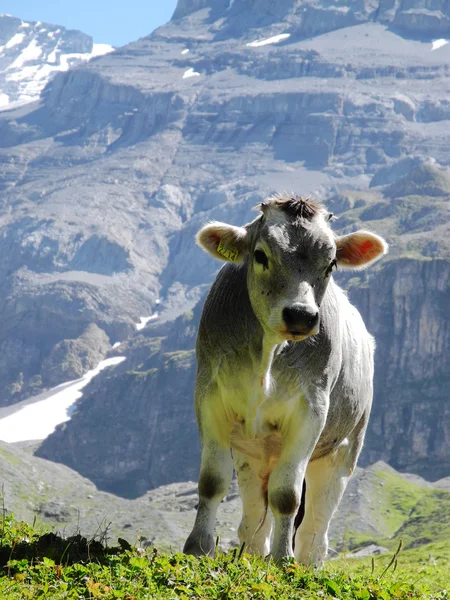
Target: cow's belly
x,y
260,423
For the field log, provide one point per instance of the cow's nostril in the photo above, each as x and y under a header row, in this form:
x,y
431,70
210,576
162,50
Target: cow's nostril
x,y
313,320
300,318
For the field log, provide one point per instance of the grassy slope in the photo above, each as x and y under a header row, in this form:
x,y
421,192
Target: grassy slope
x,y
416,514
46,566
383,508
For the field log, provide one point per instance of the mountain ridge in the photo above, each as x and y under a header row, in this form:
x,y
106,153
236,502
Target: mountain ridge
x,y
311,17
31,52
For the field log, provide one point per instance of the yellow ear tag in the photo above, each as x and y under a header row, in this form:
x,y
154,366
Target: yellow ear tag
x,y
229,253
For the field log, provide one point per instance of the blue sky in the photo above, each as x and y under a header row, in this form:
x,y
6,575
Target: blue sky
x,y
114,22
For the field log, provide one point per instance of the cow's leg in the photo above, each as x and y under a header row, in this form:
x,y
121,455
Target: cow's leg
x,y
256,524
216,472
286,479
326,480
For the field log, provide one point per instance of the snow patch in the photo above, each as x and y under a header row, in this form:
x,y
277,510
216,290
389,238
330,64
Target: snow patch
x,y
15,40
30,79
37,421
272,40
144,320
438,44
190,73
24,25
185,51
51,58
100,50
406,99
32,52
116,345
4,100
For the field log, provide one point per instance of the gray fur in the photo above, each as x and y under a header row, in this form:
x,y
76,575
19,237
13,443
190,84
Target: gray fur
x,y
280,395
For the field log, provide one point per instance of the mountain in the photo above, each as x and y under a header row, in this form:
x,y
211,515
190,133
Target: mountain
x,y
32,52
107,178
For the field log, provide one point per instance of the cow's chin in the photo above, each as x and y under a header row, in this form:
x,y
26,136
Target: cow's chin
x,y
295,336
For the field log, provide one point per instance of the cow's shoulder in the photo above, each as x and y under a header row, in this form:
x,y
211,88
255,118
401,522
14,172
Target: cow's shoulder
x,y
228,320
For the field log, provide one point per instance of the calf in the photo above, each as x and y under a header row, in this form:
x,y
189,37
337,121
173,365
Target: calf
x,y
285,373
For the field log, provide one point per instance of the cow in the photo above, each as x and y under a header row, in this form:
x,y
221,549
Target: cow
x,y
284,378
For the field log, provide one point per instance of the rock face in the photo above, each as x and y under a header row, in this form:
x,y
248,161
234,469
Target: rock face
x,y
313,17
32,52
106,181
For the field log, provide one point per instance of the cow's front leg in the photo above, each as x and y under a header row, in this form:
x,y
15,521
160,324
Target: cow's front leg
x,y
216,472
286,480
256,524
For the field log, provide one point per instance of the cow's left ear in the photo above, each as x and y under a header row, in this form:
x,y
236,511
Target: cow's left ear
x,y
225,242
359,250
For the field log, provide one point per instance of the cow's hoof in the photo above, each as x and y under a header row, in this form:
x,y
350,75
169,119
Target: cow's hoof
x,y
283,559
199,547
315,561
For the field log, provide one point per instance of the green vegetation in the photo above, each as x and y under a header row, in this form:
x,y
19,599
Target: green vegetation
x,y
180,358
43,565
147,373
9,456
405,510
416,514
426,567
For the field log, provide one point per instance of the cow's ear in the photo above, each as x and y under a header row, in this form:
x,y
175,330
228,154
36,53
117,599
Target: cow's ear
x,y
223,241
359,250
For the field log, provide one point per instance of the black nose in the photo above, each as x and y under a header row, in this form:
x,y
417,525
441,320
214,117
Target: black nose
x,y
300,318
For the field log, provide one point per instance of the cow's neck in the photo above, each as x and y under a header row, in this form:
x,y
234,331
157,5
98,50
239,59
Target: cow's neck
x,y
265,383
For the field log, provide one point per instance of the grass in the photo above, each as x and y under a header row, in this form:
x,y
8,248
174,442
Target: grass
x,y
405,510
416,514
9,456
426,567
35,564
401,497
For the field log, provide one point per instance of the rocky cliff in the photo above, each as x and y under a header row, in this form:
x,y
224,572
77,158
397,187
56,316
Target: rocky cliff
x,y
105,182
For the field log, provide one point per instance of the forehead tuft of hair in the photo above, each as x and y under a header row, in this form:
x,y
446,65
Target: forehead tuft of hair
x,y
296,207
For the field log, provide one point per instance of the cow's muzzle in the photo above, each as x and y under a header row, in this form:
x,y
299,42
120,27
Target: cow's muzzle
x,y
301,320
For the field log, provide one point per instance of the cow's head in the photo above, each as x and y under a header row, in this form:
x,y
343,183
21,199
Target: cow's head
x,y
291,252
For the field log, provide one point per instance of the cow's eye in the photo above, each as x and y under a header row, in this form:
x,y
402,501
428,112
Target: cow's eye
x,y
261,258
333,265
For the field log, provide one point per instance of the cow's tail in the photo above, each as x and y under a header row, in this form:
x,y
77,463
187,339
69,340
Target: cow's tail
x,y
298,517
300,513
265,490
